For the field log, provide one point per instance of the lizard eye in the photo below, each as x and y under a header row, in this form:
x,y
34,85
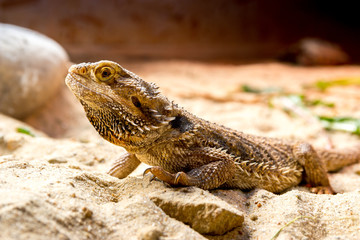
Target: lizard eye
x,y
136,102
105,74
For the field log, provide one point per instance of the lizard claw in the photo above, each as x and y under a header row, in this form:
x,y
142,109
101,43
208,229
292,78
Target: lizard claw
x,y
152,178
148,170
179,178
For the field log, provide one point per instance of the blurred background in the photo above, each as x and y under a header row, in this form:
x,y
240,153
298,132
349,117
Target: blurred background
x,y
213,30
206,41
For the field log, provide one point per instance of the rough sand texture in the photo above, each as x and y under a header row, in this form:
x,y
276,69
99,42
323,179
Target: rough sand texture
x,y
58,188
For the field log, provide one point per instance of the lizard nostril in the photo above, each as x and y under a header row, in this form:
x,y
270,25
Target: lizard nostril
x,y
82,70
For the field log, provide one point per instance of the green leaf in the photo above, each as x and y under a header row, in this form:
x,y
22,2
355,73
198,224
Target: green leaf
x,y
347,124
25,131
297,99
301,101
323,85
250,89
319,102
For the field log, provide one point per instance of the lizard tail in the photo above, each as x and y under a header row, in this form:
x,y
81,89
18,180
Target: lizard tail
x,y
336,159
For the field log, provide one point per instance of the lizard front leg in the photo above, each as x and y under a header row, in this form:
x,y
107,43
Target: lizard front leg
x,y
125,165
217,171
315,170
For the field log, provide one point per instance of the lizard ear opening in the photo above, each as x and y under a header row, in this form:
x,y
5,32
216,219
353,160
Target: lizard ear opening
x,y
181,123
135,101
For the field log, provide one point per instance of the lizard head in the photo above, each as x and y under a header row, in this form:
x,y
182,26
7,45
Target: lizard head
x,y
123,108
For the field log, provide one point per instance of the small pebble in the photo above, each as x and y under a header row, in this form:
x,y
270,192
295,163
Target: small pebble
x,y
149,233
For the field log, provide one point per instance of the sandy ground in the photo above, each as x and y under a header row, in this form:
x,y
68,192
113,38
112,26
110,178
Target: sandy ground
x,y
56,187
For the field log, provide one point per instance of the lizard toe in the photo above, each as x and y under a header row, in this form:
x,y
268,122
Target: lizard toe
x,y
322,190
161,174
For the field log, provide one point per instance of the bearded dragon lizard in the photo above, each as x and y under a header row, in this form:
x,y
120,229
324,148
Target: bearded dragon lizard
x,y
189,151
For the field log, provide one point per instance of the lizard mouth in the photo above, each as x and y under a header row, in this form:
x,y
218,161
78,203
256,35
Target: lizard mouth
x,y
80,89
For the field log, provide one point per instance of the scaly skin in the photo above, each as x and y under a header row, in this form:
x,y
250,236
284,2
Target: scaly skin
x,y
186,150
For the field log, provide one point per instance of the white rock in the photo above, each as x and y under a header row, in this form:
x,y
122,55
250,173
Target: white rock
x,y
32,68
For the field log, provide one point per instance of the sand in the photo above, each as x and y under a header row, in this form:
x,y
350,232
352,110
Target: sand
x,y
55,186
